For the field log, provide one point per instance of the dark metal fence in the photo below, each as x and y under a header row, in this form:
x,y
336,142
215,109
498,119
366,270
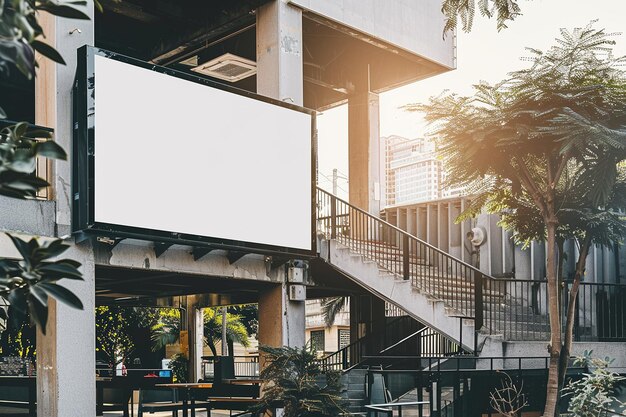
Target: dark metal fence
x,y
245,367
460,386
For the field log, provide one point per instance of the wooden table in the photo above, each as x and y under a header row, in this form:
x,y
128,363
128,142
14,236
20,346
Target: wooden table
x,y
243,381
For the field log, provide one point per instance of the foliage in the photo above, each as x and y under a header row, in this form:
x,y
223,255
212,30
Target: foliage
x,y
179,365
543,149
331,307
592,395
249,316
236,332
291,377
19,150
112,336
504,10
21,34
166,330
18,340
27,283
509,400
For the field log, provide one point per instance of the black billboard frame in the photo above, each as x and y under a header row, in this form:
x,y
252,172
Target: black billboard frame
x,y
83,164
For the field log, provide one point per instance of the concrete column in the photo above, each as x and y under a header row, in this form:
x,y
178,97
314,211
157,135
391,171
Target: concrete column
x,y
66,358
281,321
279,75
364,144
455,238
195,334
279,52
523,269
66,385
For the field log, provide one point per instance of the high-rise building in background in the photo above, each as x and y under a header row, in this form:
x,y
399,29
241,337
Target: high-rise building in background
x,y
414,172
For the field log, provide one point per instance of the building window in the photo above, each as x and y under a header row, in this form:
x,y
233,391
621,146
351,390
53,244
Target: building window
x,y
344,338
318,342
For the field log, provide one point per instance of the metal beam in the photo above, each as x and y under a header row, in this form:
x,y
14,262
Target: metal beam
x,y
160,248
200,252
234,256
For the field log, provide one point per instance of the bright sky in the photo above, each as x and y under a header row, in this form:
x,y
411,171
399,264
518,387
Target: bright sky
x,y
483,54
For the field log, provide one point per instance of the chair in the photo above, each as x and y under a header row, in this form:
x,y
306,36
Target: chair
x,y
380,400
116,399
153,400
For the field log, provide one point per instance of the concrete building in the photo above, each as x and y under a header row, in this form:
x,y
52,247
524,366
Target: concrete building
x,y
160,213
316,54
414,172
326,339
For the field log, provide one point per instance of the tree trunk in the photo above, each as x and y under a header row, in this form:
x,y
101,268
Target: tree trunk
x,y
211,346
571,310
224,339
552,391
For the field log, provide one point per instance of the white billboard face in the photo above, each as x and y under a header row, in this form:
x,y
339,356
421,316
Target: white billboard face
x,y
176,156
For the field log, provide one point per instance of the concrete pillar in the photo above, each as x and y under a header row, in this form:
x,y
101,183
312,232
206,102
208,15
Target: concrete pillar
x,y
66,354
281,322
279,75
279,52
195,334
364,144
66,386
455,238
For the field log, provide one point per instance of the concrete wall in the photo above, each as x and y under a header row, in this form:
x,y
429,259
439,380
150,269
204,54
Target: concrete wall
x,y
434,222
416,26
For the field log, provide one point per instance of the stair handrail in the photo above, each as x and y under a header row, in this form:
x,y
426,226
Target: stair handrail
x,y
341,352
405,233
478,275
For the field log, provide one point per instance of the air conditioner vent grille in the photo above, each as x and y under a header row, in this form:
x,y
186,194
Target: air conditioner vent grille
x,y
228,67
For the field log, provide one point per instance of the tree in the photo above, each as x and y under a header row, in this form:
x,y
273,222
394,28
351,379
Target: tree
x,y
167,330
545,145
291,377
504,10
331,307
235,330
28,283
112,337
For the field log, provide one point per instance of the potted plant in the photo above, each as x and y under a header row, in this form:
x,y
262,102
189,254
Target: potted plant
x,y
294,381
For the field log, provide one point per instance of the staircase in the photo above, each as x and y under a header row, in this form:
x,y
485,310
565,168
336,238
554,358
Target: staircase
x,y
436,289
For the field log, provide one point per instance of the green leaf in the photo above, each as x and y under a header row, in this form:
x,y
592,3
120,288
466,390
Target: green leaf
x,y
39,294
60,270
38,313
63,10
3,115
50,149
22,247
62,294
47,51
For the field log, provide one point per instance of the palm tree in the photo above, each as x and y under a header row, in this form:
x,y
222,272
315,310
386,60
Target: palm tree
x,y
331,307
545,145
167,329
236,331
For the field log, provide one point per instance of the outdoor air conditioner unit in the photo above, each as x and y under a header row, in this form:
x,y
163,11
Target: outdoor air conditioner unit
x,y
228,67
297,293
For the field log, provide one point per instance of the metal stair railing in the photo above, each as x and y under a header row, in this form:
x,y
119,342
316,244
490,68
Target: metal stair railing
x,y
458,284
350,356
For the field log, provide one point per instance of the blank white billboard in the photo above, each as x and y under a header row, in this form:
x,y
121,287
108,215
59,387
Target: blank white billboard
x,y
177,156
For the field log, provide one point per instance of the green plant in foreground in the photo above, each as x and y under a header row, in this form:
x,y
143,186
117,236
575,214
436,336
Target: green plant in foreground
x,y
592,395
295,382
